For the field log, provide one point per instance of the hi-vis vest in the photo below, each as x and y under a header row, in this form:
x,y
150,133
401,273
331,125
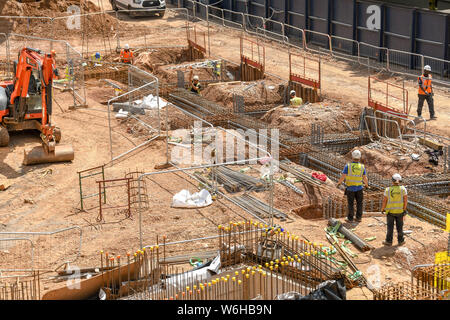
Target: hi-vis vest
x,y
426,84
296,101
125,56
195,88
95,59
69,73
395,200
354,175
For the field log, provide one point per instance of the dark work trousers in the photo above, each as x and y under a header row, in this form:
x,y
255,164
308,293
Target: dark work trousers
x,y
398,219
351,196
430,102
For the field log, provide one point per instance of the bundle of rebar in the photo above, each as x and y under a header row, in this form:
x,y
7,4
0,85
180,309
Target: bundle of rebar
x,y
257,207
235,181
196,103
291,186
302,176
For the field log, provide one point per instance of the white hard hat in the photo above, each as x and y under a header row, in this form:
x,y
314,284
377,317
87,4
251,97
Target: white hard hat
x,y
127,46
356,154
396,177
293,92
427,67
196,78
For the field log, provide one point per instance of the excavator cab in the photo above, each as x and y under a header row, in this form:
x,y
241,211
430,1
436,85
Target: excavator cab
x,y
29,106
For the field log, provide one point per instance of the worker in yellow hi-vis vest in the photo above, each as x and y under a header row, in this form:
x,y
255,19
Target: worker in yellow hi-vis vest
x,y
295,101
394,205
69,71
354,175
96,59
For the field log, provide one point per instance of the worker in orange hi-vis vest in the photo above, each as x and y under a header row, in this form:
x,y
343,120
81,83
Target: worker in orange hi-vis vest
x,y
126,55
426,92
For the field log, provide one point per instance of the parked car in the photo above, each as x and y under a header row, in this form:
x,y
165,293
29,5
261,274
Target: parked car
x,y
140,7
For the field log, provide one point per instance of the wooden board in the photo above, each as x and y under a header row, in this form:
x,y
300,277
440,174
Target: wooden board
x,y
431,144
90,287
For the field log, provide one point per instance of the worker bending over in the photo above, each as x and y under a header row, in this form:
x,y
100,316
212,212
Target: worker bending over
x,y
295,101
426,92
195,83
394,205
126,55
96,59
354,174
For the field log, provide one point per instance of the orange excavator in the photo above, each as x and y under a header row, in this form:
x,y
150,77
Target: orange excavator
x,y
26,104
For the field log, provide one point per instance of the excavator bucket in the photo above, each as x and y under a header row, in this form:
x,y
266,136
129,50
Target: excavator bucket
x,y
36,155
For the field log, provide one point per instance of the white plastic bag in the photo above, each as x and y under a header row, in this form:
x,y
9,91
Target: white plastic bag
x,y
151,102
184,199
121,114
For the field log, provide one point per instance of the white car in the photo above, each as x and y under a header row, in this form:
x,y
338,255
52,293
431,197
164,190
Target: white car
x,y
140,7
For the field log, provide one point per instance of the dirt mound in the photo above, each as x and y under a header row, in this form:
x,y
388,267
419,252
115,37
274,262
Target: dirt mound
x,y
46,8
150,60
258,95
310,211
328,115
167,74
54,9
387,162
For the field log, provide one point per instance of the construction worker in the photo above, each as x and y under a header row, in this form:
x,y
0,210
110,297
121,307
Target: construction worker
x,y
126,55
394,205
295,101
216,69
426,92
354,174
97,59
55,70
432,4
69,70
195,83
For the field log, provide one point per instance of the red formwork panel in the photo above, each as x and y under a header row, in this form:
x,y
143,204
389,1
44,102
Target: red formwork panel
x,y
387,97
305,70
196,38
253,54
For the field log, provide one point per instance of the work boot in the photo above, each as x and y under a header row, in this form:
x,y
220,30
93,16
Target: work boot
x,y
387,243
401,243
358,219
348,220
433,118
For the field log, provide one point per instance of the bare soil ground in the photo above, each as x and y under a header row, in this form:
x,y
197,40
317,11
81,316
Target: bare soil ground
x,y
54,188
